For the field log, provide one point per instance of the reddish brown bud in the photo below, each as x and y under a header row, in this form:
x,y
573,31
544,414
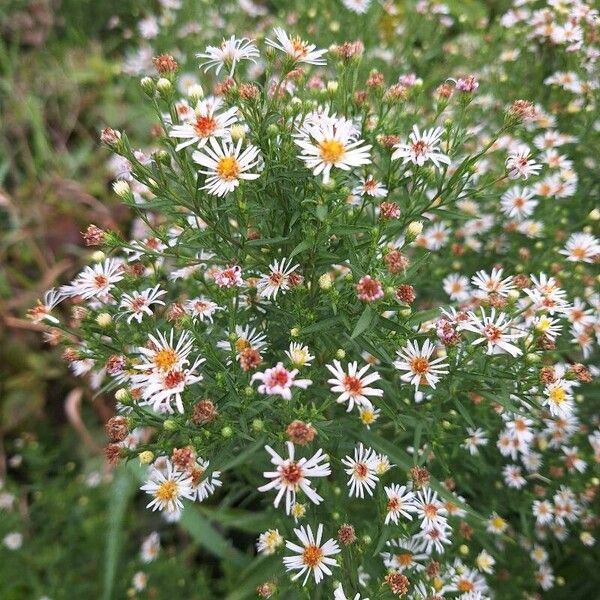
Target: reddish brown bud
x,y
165,64
346,534
93,236
204,412
405,293
116,429
398,583
301,433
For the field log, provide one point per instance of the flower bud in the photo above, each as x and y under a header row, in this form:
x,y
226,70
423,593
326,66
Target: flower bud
x,y
195,93
104,319
164,86
121,188
146,457
147,84
414,230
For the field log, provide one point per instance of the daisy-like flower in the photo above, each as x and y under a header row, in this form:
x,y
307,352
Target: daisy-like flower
x,y
201,308
401,502
167,486
496,524
331,142
268,542
476,437
543,511
95,282
228,54
150,547
495,332
546,294
360,7
430,509
205,124
421,370
492,284
519,164
279,278
311,556
549,328
368,414
362,470
298,50
581,247
278,381
299,355
162,388
291,475
370,187
353,386
41,311
421,147
226,165
559,398
229,277
485,562
138,304
434,537
162,354
405,554
457,287
202,485
513,476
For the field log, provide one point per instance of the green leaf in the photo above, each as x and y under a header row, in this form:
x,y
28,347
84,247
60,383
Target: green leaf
x,y
206,536
367,317
122,489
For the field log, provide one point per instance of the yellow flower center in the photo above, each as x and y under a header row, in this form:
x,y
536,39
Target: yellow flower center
x,y
167,491
228,167
558,395
331,150
165,359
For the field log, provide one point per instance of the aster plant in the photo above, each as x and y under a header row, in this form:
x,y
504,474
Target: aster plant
x,y
330,316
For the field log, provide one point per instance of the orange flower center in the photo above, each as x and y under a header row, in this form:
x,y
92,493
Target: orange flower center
x,y
165,359
405,559
331,150
312,555
419,365
228,167
205,126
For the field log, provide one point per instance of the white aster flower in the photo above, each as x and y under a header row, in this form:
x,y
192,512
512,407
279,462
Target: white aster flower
x,y
291,476
401,502
228,54
137,304
204,124
362,469
353,385
278,279
298,50
421,370
495,332
330,143
421,147
311,556
167,486
226,165
278,381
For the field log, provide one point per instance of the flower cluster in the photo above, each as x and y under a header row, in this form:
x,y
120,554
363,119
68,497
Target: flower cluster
x,y
360,307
